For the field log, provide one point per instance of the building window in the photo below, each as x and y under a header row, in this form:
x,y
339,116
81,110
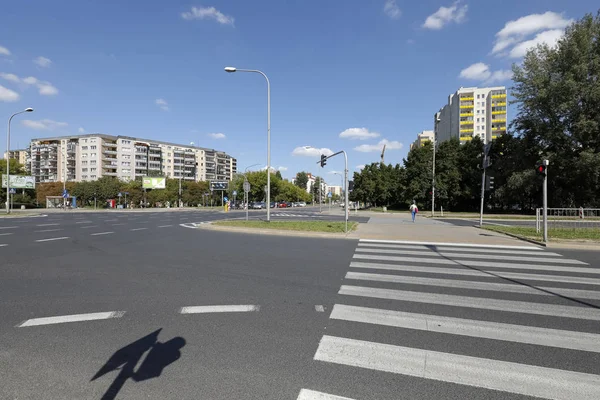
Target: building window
x,y
93,176
84,169
93,162
92,147
93,169
483,119
83,147
84,155
126,157
477,119
84,162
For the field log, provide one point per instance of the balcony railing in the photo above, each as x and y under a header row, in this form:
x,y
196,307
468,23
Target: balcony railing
x,y
466,131
467,122
467,98
499,96
466,138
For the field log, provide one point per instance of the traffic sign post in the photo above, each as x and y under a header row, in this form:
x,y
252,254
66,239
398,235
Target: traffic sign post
x,y
246,199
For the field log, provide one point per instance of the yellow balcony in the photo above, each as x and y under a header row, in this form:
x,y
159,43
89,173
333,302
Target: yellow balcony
x,y
501,104
494,137
498,112
466,114
499,129
466,131
471,106
466,122
466,138
467,98
498,120
499,96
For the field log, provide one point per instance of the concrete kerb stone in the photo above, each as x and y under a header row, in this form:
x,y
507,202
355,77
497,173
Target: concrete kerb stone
x,y
278,232
523,238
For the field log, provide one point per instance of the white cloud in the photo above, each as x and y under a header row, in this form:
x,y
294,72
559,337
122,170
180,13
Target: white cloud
x,y
481,72
389,145
4,51
81,130
358,133
547,37
391,9
335,172
208,13
10,77
282,169
7,95
455,13
43,62
162,103
217,135
308,151
516,31
46,89
44,124
361,166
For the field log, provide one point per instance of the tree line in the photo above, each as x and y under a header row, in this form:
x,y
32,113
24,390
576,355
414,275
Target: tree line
x,y
557,97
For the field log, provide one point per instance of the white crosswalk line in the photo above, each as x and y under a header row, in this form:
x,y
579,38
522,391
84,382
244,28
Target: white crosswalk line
x,y
468,327
471,255
465,370
491,286
445,248
524,307
480,273
471,263
306,394
71,318
465,245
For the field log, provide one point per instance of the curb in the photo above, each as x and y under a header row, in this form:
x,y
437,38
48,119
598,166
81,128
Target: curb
x,y
276,232
542,244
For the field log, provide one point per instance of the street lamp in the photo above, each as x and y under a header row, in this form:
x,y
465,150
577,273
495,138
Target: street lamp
x,y
29,109
233,69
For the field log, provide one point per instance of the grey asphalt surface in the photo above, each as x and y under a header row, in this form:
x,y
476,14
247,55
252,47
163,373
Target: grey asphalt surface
x,y
153,351
562,224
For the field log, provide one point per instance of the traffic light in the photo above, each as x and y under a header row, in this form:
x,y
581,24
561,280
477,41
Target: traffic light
x,y
323,160
540,169
489,183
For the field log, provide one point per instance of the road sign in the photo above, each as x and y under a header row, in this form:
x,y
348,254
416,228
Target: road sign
x,y
154,182
225,198
13,191
246,186
65,194
120,194
219,185
234,193
329,194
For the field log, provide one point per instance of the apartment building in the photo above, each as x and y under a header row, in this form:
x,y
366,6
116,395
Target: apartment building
x,y
19,155
422,138
92,156
472,112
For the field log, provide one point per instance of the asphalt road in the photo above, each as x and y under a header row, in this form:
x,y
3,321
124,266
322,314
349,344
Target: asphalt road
x,y
310,316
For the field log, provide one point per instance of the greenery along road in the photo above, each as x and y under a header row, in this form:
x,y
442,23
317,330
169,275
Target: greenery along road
x,y
557,96
308,226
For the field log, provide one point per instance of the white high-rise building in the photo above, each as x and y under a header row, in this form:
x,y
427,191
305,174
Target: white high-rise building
x,y
89,157
422,138
472,112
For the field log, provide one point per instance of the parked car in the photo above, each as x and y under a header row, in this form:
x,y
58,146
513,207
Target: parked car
x,y
301,204
258,205
282,204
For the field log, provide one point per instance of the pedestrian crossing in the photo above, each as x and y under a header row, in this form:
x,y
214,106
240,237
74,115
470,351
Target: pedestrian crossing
x,y
295,215
508,321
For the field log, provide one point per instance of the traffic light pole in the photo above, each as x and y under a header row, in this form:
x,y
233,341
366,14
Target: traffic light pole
x,y
482,191
546,201
346,205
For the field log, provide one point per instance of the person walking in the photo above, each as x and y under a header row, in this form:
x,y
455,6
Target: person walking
x,y
414,210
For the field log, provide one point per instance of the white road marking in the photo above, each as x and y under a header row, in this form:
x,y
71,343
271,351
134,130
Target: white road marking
x,y
469,327
111,220
306,394
219,309
524,307
479,273
469,263
51,239
138,229
444,248
5,234
117,224
491,286
91,226
505,376
165,226
84,222
48,230
8,227
494,223
470,255
491,246
3,245
100,233
47,224
71,318
319,308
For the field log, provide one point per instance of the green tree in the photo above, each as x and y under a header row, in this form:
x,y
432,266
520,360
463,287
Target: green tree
x,y
301,180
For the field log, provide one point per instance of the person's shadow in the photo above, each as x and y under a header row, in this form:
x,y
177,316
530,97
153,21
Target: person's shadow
x,y
160,355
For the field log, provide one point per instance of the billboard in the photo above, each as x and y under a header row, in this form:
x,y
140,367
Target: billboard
x,y
20,181
219,185
154,183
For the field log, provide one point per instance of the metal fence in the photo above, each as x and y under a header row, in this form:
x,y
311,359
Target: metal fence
x,y
575,218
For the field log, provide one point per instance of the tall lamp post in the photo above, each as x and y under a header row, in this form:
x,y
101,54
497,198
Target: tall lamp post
x,y
233,69
29,109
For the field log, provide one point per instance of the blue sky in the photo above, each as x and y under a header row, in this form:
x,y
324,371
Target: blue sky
x,y
377,70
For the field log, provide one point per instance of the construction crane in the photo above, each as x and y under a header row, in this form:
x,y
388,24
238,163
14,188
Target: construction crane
x,y
382,153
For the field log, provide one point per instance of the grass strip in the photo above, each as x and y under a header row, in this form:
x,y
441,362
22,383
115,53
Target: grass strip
x,y
306,226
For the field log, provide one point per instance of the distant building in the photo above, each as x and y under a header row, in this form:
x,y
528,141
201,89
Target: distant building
x,y
472,112
336,190
90,157
19,155
422,138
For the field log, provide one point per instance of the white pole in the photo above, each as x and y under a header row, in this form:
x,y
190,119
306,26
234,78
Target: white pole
x,y
346,205
546,202
433,183
8,159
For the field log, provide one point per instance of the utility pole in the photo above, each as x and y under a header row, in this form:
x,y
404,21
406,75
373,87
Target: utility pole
x,y
545,203
485,164
433,182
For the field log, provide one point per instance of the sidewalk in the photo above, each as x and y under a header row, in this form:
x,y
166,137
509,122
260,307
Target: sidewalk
x,y
401,227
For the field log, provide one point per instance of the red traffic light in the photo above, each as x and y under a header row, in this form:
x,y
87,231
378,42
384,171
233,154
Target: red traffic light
x,y
541,168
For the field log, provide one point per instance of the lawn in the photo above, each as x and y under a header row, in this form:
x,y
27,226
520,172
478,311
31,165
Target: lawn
x,y
307,226
553,233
